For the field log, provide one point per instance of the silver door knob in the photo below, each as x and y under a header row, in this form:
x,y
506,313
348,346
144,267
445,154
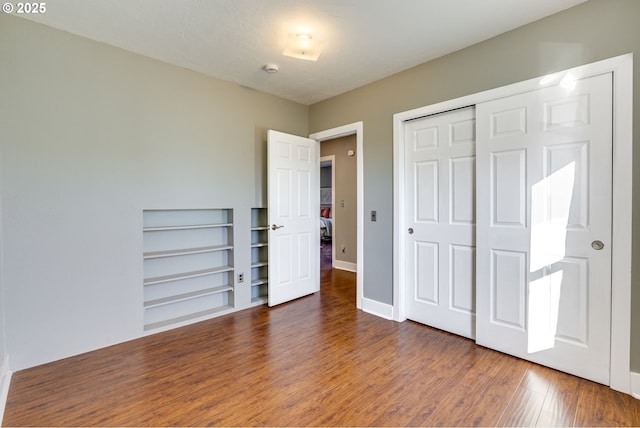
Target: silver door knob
x,y
597,245
410,230
274,227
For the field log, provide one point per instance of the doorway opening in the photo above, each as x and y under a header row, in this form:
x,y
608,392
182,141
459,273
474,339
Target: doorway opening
x,y
327,205
338,200
355,130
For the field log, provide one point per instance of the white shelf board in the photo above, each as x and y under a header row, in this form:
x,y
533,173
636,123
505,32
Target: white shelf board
x,y
259,281
186,227
186,251
260,300
260,228
186,296
187,275
187,317
259,264
259,244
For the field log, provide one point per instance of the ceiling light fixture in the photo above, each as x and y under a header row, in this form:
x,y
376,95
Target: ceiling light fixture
x,y
302,46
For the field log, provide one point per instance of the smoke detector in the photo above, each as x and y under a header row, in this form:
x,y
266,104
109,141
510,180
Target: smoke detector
x,y
271,68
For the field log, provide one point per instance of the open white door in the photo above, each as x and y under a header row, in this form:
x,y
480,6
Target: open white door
x,y
294,216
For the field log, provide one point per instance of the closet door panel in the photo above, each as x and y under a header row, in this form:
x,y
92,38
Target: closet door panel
x,y
440,206
544,167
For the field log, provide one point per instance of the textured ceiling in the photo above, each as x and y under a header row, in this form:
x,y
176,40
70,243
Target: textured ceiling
x,y
362,40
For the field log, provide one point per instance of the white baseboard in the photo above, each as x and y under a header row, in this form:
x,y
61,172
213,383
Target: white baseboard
x,y
351,267
374,307
635,385
5,381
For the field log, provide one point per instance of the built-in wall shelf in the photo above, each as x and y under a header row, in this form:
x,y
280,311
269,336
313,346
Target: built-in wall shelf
x,y
196,316
258,264
188,264
186,251
259,255
187,275
187,227
186,296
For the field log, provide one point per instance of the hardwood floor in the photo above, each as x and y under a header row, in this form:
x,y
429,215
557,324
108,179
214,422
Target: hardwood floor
x,y
316,361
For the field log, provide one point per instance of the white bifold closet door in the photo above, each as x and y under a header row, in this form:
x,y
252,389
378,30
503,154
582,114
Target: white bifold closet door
x,y
508,214
544,226
440,218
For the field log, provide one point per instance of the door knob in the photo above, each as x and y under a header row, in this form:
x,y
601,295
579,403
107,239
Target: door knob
x,y
410,231
274,227
597,245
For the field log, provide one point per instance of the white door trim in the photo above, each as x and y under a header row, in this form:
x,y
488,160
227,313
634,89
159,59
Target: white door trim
x,y
5,381
341,131
622,69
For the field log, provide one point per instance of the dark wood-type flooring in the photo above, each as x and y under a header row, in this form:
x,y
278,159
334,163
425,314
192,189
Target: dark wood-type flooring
x,y
316,361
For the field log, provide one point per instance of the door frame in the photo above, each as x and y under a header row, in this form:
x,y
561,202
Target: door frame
x,y
356,129
621,68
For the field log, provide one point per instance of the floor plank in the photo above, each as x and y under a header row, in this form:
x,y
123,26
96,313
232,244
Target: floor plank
x,y
316,361
598,406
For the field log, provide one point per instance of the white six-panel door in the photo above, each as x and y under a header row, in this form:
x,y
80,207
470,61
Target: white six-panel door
x,y
294,210
440,219
524,234
544,226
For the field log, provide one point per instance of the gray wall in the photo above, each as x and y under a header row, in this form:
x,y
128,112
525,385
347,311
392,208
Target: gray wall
x,y
595,30
345,217
90,136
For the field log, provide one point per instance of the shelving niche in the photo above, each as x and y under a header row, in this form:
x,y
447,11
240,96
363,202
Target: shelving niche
x,y
259,255
188,265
